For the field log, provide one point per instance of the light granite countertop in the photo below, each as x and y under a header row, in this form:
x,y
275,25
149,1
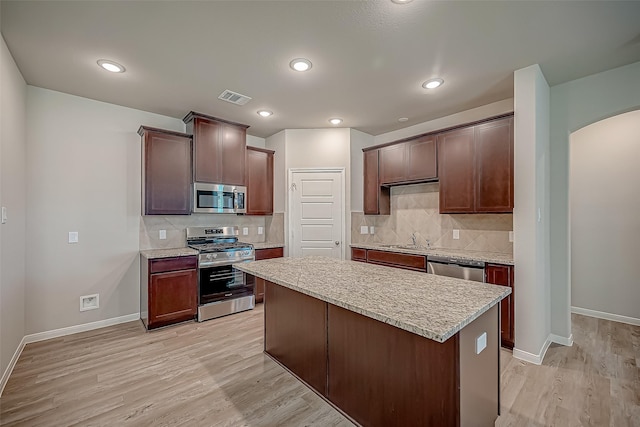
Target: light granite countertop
x,y
435,307
265,245
491,257
167,253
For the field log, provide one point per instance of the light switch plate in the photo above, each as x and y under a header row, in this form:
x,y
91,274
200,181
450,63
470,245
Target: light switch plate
x,y
4,215
511,236
162,234
245,231
73,237
364,229
372,229
260,230
481,343
456,234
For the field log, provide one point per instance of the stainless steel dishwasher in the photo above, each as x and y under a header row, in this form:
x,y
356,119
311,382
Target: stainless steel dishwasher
x,y
456,267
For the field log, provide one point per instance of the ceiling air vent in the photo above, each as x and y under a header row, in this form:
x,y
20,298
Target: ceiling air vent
x,y
234,97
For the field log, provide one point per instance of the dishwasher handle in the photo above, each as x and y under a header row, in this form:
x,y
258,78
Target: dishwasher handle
x,y
456,261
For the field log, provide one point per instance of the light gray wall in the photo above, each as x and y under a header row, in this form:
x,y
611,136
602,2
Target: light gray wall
x,y
84,175
494,109
576,104
13,172
605,220
530,219
256,141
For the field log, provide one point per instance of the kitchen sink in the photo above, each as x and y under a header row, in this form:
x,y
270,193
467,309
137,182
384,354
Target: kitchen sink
x,y
415,247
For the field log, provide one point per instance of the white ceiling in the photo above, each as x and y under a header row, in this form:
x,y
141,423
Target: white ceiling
x,y
369,57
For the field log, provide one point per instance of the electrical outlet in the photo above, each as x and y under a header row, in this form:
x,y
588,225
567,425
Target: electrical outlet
x,y
73,237
364,229
4,215
372,230
260,230
245,231
456,234
89,302
163,234
481,343
511,236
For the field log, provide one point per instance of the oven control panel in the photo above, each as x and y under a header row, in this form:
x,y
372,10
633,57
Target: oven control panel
x,y
225,257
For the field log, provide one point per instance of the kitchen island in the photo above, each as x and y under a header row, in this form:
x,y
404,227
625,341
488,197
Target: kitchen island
x,y
385,346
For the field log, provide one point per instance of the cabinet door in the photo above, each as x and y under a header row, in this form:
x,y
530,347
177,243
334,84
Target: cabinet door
x,y
392,166
456,169
376,198
172,297
503,275
259,290
166,174
421,159
259,182
494,166
269,253
207,141
232,155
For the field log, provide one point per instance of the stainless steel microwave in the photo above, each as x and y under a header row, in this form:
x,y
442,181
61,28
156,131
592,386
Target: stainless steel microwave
x,y
219,198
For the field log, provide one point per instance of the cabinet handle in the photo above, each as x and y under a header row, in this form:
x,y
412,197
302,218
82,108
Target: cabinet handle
x,y
228,295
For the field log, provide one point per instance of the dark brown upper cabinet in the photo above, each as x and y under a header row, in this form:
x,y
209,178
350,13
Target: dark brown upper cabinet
x,y
166,172
494,166
259,180
409,161
218,149
475,167
377,199
456,171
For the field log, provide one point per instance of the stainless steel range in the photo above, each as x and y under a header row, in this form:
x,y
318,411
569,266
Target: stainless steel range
x,y
222,289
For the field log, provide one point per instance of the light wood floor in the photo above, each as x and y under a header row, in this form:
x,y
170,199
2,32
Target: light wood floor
x,y
215,374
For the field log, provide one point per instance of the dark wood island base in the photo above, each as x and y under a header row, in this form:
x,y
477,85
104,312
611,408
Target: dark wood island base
x,y
381,375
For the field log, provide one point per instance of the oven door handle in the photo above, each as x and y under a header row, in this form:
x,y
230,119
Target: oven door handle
x,y
221,262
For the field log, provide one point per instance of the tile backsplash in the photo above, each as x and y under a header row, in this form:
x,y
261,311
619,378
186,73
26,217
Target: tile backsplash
x,y
414,208
150,226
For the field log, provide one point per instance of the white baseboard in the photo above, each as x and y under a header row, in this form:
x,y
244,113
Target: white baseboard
x,y
536,359
41,336
47,335
567,341
606,316
12,363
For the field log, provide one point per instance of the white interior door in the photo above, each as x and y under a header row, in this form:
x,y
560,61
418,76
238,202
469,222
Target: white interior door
x,y
316,221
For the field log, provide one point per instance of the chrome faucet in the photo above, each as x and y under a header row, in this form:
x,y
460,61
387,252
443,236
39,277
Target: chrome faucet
x,y
414,239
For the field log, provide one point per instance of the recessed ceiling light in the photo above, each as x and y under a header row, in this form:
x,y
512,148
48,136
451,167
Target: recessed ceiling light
x,y
300,64
114,67
401,1
432,84
265,113
403,119
335,121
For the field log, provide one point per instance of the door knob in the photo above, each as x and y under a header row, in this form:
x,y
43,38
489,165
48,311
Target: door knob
x,y
337,243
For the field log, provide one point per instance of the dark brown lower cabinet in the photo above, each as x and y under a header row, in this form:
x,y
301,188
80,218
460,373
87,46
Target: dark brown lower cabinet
x,y
394,259
168,290
503,275
358,254
268,253
380,375
296,334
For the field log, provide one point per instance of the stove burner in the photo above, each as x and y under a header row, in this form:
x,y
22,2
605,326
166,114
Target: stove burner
x,y
220,247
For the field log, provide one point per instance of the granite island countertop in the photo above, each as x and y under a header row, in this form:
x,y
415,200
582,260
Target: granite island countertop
x,y
490,257
435,307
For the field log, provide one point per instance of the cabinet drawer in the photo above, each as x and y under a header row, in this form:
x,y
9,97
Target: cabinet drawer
x,y
269,253
172,264
358,254
393,259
